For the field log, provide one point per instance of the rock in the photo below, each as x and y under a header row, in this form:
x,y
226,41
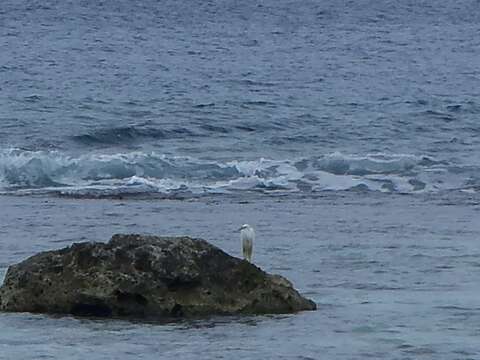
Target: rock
x,y
145,277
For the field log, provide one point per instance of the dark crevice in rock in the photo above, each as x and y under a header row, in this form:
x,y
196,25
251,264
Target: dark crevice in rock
x,y
126,297
177,284
97,310
177,311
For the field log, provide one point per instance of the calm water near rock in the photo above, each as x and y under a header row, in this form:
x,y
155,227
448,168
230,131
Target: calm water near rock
x,y
394,276
345,132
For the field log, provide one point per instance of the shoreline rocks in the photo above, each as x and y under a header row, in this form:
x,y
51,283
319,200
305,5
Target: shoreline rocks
x,y
145,277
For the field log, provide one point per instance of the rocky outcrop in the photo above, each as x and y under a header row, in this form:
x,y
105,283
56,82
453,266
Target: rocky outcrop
x,y
145,277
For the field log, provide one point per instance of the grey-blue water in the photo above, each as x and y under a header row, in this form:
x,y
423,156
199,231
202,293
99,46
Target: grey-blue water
x,y
346,132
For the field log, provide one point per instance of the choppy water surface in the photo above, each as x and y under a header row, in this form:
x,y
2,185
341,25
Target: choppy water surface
x,y
346,132
105,96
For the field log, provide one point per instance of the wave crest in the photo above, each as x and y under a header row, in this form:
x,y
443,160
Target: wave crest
x,y
143,173
129,134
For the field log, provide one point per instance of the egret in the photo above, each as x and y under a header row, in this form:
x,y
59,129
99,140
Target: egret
x,y
247,235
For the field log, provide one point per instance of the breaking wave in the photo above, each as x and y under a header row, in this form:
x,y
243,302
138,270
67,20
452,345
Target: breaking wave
x,y
26,172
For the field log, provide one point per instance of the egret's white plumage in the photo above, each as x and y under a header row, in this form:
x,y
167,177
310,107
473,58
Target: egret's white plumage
x,y
247,236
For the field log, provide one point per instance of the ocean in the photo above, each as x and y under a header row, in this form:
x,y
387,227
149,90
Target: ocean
x,y
345,132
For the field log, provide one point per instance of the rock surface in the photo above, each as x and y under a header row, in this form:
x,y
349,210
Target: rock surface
x,y
145,277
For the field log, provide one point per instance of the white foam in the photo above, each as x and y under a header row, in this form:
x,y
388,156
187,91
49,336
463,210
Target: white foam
x,y
137,172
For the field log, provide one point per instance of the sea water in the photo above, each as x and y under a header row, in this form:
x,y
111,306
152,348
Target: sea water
x,y
346,132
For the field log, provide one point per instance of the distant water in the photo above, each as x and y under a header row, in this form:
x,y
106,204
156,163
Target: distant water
x,y
355,123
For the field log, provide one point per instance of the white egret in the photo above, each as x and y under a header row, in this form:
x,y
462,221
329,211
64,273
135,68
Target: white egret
x,y
247,236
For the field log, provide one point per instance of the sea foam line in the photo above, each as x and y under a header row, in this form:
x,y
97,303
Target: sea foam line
x,y
137,172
